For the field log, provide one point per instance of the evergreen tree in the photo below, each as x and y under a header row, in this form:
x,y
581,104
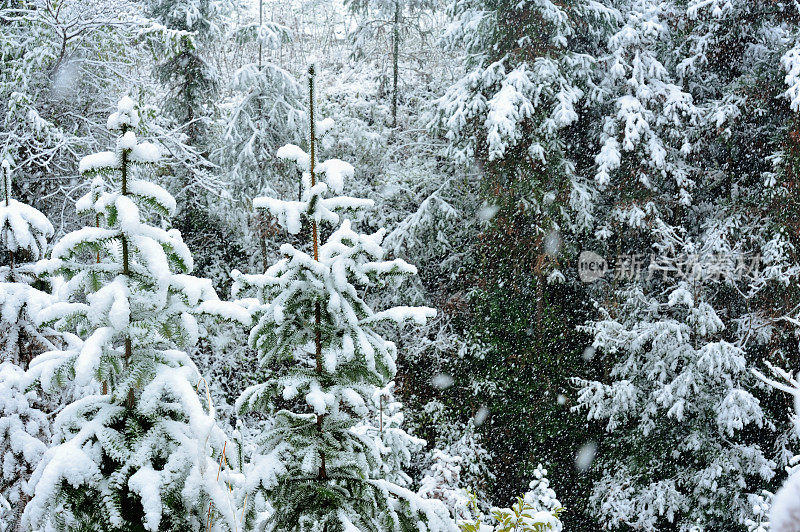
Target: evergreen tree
x,y
518,116
24,434
323,358
183,29
181,36
374,18
443,482
675,191
23,237
142,453
261,115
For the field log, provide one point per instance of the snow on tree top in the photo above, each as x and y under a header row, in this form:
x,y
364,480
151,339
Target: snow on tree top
x,y
126,115
23,228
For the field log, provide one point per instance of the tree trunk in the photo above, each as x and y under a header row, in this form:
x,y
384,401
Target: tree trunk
x,y
322,474
395,54
126,271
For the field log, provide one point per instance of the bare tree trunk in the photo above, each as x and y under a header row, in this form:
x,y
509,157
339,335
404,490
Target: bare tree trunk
x,y
395,54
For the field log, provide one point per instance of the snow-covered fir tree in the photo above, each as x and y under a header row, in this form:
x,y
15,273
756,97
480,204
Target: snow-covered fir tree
x,y
693,439
24,426
680,394
178,35
24,434
262,115
141,451
23,239
323,359
385,425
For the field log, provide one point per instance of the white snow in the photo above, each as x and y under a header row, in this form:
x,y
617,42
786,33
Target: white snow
x,y
23,228
89,356
318,400
146,189
144,153
146,483
95,162
336,171
292,152
127,141
225,310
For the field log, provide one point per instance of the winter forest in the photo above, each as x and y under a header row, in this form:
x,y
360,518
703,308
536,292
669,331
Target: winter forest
x,y
400,265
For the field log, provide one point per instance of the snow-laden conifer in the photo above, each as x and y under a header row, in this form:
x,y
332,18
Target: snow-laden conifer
x,y
24,427
323,359
141,451
24,432
384,424
261,115
23,239
442,481
680,393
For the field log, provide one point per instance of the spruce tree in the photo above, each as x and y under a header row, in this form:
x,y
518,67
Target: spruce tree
x,y
23,239
141,451
516,117
323,358
181,37
24,426
262,114
692,438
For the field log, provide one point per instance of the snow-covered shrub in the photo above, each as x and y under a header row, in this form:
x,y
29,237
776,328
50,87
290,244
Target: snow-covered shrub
x,y
142,451
443,482
536,511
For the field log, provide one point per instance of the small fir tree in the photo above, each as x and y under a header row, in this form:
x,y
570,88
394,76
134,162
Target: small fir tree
x,y
23,237
24,431
323,359
141,455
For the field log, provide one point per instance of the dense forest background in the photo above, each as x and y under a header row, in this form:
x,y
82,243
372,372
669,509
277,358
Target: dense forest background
x,y
499,140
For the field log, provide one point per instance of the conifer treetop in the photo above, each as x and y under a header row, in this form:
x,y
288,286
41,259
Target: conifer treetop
x,y
22,228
